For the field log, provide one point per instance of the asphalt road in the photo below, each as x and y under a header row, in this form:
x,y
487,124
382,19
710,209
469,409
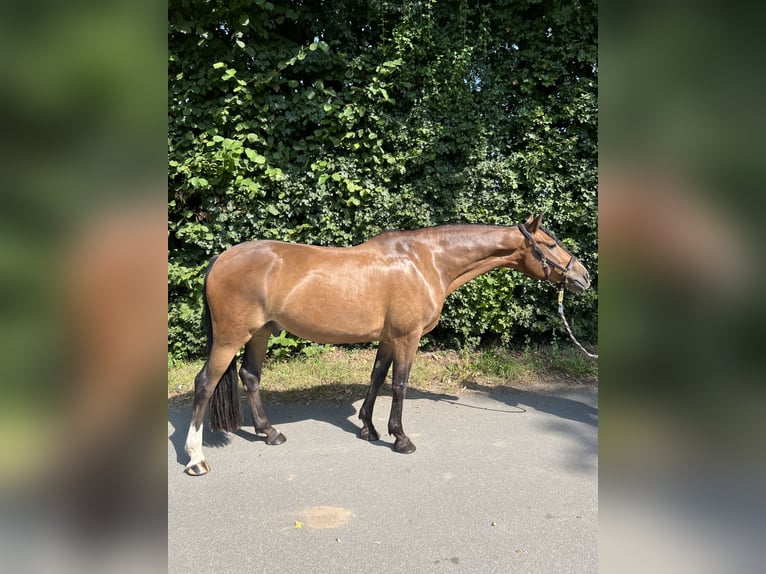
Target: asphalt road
x,y
505,482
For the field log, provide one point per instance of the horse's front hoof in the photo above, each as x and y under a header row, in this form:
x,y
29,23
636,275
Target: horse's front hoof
x,y
197,469
404,445
369,434
274,437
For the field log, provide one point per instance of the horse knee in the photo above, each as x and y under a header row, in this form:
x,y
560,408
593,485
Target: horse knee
x,y
399,389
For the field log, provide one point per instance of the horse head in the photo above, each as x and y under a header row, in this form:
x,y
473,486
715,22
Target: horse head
x,y
547,259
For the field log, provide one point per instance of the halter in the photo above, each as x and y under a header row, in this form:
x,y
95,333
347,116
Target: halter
x,y
545,261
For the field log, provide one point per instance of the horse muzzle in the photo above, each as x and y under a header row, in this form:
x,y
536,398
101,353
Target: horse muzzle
x,y
577,280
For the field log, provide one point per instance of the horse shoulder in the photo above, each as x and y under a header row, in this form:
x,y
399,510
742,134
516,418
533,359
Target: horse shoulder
x,y
418,290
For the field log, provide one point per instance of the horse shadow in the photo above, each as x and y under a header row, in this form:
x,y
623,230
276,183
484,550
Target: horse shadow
x,y
582,449
544,401
283,407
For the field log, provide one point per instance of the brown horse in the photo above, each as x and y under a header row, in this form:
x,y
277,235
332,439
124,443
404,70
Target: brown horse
x,y
389,289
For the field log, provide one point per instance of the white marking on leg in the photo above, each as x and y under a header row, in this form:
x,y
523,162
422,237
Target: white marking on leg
x,y
194,445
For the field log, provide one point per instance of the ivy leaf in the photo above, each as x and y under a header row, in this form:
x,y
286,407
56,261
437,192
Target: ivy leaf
x,y
254,156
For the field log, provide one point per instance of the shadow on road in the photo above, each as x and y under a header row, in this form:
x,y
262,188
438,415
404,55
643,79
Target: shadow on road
x,y
343,414
559,406
335,412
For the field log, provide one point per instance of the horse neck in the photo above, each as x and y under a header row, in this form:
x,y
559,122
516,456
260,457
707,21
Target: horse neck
x,y
463,253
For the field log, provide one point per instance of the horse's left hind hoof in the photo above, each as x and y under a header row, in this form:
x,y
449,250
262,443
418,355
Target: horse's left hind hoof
x,y
404,445
197,469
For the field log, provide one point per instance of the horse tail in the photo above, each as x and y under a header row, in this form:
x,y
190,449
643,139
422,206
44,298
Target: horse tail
x,y
225,408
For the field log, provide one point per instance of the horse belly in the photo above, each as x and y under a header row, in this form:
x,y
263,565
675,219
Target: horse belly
x,y
331,314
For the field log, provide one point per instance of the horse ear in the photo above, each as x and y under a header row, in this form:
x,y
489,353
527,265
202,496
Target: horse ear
x,y
533,223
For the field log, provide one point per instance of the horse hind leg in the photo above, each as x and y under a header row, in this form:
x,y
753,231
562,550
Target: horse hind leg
x,y
250,373
380,369
197,464
219,362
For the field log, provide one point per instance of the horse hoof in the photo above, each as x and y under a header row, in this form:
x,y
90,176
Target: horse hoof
x,y
275,438
369,435
197,469
404,446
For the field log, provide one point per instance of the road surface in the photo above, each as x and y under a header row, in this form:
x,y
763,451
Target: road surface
x,y
500,482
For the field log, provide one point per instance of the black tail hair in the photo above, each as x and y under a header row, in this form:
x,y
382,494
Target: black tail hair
x,y
225,408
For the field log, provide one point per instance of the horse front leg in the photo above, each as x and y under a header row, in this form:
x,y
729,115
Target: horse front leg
x,y
404,355
380,368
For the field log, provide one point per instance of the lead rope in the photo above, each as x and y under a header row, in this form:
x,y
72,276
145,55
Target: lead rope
x,y
566,323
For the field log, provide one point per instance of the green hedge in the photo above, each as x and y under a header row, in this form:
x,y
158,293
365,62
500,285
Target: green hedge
x,y
327,123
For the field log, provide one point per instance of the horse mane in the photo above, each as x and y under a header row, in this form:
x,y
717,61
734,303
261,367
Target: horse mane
x,y
435,229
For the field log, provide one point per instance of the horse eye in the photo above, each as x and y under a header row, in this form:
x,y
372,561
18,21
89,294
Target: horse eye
x,y
552,245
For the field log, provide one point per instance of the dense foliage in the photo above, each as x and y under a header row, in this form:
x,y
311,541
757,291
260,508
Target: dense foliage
x,y
327,122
